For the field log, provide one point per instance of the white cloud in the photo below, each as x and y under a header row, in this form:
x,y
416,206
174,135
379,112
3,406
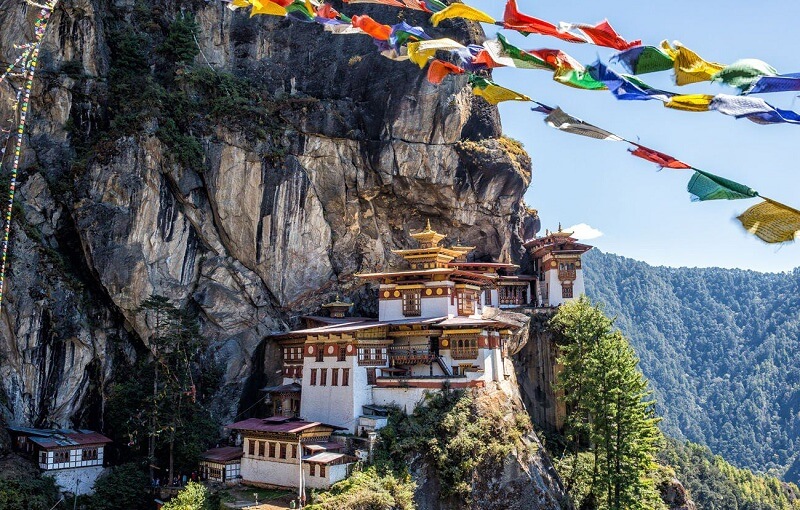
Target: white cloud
x,y
583,231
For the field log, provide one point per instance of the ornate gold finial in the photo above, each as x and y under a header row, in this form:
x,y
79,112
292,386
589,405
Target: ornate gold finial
x,y
559,226
428,225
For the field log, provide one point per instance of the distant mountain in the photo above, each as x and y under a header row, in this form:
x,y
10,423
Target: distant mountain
x,y
722,350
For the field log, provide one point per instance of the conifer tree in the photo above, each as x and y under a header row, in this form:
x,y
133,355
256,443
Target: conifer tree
x,y
610,412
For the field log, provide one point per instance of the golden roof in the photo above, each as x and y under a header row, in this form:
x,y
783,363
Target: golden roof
x,y
428,237
561,233
337,303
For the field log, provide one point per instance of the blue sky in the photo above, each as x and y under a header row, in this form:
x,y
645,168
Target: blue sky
x,y
643,213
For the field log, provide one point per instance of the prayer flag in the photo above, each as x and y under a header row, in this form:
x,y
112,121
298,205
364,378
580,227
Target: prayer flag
x,y
644,59
542,108
238,4
705,186
689,67
781,83
372,27
690,102
601,34
515,20
659,158
301,11
460,11
422,51
742,74
565,122
402,33
439,70
266,7
503,53
338,27
577,78
393,3
626,88
473,58
771,221
492,92
753,108
434,5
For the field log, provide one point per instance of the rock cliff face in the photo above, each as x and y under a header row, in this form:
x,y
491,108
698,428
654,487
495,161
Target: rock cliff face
x,y
263,226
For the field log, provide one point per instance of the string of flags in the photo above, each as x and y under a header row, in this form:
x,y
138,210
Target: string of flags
x,y
24,67
769,220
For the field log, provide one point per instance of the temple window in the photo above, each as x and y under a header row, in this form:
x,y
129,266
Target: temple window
x,y
322,470
334,377
371,356
411,303
320,352
488,297
566,291
313,381
342,353
323,377
466,302
271,450
252,450
61,456
345,377
371,376
312,469
89,454
283,450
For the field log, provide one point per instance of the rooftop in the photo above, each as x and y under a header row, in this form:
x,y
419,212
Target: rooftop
x,y
223,454
55,438
278,425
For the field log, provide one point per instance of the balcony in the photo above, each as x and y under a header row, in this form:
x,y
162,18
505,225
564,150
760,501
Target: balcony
x,y
414,354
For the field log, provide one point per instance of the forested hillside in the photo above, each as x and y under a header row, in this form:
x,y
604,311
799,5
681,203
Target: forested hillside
x,y
720,347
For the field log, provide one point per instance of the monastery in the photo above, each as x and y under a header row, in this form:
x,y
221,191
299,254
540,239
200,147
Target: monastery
x,y
441,323
73,458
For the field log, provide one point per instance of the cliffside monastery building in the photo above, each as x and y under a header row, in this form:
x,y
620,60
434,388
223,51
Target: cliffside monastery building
x,y
441,323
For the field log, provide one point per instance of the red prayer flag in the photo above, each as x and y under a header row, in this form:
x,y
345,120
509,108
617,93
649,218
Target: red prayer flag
x,y
327,11
659,158
483,57
372,27
515,20
557,59
603,34
439,70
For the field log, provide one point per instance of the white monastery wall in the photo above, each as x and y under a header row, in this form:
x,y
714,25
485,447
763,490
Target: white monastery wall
x,y
271,471
76,480
404,398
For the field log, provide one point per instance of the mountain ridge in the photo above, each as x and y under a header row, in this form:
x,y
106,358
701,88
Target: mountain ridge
x,y
716,344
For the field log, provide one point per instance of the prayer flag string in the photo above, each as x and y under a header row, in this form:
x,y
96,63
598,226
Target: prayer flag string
x,y
27,64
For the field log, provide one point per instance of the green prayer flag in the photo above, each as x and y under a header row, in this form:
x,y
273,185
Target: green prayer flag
x,y
645,59
705,186
742,74
528,60
578,78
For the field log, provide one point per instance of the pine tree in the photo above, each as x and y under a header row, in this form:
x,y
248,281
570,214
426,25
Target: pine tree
x,y
610,412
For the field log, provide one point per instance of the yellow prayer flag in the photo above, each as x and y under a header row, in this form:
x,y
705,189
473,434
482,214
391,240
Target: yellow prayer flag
x,y
771,221
495,94
460,11
689,66
420,52
266,7
690,102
